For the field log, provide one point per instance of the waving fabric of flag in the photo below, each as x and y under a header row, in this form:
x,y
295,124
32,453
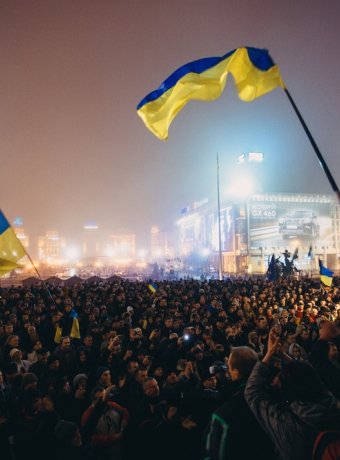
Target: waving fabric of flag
x,y
326,275
58,334
271,272
11,249
296,254
152,288
75,330
253,69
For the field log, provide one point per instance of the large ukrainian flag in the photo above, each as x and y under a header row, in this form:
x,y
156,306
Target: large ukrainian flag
x,y
254,72
11,250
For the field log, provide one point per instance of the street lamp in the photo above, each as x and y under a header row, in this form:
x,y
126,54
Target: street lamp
x,y
241,189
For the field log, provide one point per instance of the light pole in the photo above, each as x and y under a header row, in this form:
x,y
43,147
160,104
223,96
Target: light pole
x,y
220,277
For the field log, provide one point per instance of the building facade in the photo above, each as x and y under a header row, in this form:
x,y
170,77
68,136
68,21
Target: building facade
x,y
50,247
249,232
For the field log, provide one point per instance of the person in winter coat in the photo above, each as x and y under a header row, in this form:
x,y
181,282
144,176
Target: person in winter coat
x,y
66,355
33,426
321,358
303,406
111,422
69,442
234,432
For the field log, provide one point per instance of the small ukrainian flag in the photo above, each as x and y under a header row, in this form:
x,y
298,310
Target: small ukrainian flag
x,y
75,330
326,275
58,334
152,288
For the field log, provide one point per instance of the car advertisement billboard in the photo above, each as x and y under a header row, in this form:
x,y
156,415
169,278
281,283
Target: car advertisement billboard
x,y
275,223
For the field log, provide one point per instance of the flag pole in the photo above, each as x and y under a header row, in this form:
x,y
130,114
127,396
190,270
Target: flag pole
x,y
219,222
43,282
35,268
322,161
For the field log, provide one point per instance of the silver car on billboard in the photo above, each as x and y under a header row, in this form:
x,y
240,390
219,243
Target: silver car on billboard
x,y
300,222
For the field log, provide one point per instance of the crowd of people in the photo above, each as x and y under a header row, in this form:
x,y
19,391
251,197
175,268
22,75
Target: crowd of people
x,y
232,369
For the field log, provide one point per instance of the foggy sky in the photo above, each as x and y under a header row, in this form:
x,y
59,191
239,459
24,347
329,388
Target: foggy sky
x,y
72,72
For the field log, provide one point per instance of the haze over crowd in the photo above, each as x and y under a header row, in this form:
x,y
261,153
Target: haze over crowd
x,y
73,148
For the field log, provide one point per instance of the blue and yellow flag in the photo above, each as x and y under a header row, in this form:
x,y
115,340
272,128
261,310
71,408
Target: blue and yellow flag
x,y
326,275
58,334
152,287
11,249
254,72
75,330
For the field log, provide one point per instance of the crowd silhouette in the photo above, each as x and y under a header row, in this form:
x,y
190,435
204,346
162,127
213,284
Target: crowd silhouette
x,y
185,369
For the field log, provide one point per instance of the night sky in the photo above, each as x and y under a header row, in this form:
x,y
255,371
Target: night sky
x,y
72,72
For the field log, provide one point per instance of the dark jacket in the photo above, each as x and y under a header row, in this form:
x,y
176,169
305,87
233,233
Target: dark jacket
x,y
234,432
328,372
292,427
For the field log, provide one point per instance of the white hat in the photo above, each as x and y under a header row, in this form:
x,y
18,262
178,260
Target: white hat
x,y
13,351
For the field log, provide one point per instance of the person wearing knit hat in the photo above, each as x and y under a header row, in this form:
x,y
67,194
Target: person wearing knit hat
x,y
208,378
52,359
13,352
67,433
69,442
41,364
103,376
16,357
78,379
80,399
29,381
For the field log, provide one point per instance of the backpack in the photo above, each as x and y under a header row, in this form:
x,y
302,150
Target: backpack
x,y
327,445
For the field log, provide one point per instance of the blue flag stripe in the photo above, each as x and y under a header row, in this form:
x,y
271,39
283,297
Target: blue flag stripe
x,y
4,225
259,57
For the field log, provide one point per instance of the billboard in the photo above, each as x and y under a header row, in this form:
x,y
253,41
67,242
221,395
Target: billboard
x,y
277,222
